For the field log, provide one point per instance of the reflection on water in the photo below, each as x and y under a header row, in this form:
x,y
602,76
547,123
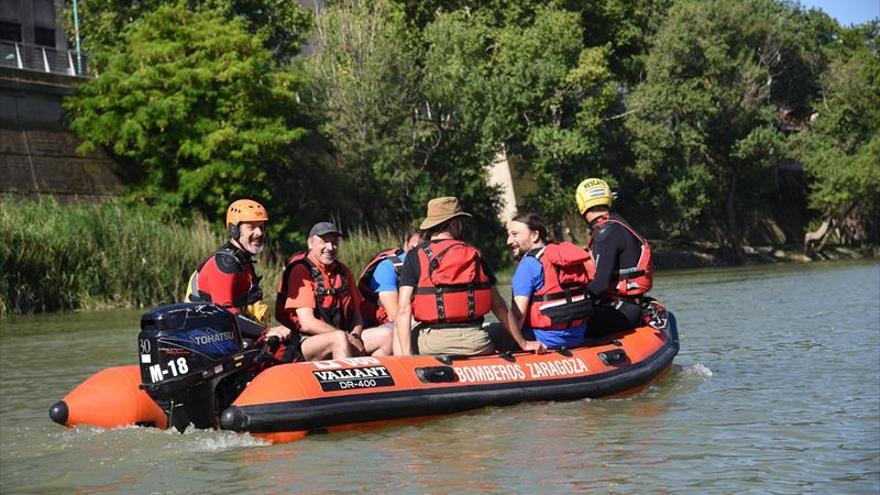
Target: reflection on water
x,y
776,390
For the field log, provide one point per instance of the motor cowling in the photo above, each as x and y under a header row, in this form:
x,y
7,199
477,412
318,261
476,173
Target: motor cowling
x,y
186,350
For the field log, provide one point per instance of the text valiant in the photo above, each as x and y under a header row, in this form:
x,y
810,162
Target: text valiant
x,y
351,373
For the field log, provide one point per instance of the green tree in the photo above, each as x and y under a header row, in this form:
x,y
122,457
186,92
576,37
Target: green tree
x,y
841,150
194,107
531,91
394,140
366,78
704,121
282,24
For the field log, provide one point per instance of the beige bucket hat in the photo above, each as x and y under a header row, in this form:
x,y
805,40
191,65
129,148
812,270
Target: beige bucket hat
x,y
441,210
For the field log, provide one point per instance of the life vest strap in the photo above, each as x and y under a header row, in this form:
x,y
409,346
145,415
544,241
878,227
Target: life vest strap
x,y
561,295
452,288
478,322
627,273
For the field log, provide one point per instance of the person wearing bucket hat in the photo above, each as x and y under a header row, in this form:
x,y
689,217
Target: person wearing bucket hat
x,y
447,288
318,299
621,270
228,279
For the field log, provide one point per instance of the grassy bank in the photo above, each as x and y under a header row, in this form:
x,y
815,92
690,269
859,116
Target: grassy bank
x,y
86,256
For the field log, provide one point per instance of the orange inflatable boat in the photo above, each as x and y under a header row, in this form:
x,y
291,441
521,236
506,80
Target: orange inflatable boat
x,y
179,383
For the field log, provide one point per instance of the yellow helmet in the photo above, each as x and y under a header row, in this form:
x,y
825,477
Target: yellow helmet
x,y
592,192
244,210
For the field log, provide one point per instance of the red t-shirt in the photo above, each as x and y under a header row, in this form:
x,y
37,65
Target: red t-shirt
x,y
301,288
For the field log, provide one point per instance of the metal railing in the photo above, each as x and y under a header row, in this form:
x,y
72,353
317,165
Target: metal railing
x,y
43,59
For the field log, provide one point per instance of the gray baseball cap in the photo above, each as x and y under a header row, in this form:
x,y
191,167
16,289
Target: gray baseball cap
x,y
324,228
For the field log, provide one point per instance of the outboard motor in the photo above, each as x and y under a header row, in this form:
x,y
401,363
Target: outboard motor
x,y
188,350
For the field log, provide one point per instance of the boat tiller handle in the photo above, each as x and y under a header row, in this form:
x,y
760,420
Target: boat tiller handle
x,y
436,374
615,356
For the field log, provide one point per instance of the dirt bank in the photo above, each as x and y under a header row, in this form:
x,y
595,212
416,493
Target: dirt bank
x,y
672,255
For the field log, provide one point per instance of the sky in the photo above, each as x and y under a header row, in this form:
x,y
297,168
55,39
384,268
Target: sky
x,y
847,11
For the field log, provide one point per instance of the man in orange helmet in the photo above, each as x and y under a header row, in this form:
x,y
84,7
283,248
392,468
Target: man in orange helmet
x,y
228,279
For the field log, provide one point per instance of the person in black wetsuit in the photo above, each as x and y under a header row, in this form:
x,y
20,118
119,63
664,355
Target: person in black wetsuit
x,y
621,268
227,277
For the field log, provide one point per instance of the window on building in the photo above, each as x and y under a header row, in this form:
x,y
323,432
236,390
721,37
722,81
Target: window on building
x,y
44,36
10,31
44,12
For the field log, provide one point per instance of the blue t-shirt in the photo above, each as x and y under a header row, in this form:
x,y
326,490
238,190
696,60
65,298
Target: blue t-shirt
x,y
384,277
528,279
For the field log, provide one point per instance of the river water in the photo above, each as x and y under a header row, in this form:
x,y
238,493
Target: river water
x,y
776,390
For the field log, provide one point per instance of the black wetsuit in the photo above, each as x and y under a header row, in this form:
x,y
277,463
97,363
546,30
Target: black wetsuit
x,y
613,248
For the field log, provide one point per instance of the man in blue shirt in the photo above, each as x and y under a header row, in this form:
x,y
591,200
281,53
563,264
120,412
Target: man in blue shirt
x,y
527,238
379,282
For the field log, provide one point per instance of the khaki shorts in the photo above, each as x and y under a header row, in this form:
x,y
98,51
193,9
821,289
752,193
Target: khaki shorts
x,y
457,341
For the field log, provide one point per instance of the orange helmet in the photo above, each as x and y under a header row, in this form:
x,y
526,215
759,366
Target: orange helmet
x,y
244,210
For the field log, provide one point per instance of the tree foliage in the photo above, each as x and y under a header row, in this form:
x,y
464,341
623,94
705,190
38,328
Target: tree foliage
x,y
841,151
281,24
706,118
685,106
390,135
194,106
365,77
529,90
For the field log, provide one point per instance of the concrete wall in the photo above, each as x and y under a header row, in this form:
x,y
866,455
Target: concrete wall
x,y
37,151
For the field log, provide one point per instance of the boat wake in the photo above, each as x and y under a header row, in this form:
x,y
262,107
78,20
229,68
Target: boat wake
x,y
697,370
196,440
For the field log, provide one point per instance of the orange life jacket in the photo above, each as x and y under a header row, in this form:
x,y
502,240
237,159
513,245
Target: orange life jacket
x,y
633,280
333,303
452,287
371,309
565,281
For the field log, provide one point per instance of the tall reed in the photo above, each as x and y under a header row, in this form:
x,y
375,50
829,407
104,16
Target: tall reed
x,y
85,256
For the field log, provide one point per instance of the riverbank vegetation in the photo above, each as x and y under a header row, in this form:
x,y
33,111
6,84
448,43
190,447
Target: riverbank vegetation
x,y
735,122
86,256
697,112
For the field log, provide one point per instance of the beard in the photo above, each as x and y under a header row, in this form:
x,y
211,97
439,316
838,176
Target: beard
x,y
517,253
255,248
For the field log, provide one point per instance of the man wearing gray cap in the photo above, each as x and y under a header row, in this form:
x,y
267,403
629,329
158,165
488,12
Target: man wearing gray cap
x,y
318,299
446,286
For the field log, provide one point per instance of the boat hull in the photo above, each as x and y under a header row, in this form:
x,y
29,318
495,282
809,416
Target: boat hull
x,y
111,397
291,400
286,402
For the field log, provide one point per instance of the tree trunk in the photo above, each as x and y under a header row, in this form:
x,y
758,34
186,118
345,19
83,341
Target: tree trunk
x,y
731,233
818,236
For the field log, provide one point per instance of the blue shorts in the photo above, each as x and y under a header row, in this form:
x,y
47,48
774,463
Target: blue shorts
x,y
552,339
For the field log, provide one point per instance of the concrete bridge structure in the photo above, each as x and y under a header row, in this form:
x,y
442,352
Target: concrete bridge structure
x,y
37,71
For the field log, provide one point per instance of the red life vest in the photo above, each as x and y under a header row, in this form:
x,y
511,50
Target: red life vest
x,y
633,280
333,303
247,291
565,281
371,309
452,287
